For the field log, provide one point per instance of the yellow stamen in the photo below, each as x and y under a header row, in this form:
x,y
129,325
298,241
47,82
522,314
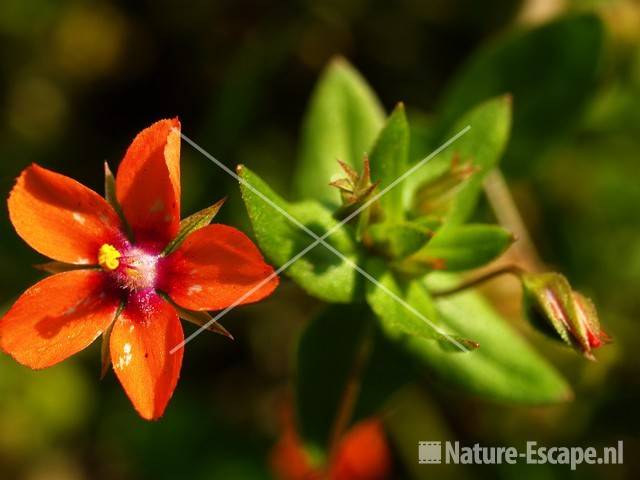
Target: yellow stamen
x,y
108,257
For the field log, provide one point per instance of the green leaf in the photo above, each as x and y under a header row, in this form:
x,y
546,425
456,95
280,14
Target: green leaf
x,y
192,223
551,71
422,128
462,247
413,414
404,307
481,147
388,370
389,159
341,123
504,368
358,351
320,272
397,240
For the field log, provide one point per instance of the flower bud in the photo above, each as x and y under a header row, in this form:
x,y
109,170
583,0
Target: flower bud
x,y
554,308
436,195
355,189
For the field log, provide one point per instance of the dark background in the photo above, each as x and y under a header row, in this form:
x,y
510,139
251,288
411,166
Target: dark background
x,y
79,79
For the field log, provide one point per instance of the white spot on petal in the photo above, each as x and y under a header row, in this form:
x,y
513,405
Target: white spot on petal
x,y
82,260
194,289
79,218
125,359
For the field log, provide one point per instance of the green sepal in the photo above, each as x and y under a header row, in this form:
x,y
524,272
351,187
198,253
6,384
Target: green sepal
x,y
59,267
105,352
199,318
192,223
112,199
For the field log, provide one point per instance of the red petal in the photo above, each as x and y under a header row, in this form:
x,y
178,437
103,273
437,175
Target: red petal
x,y
60,217
593,339
57,317
215,267
363,454
288,459
148,182
142,337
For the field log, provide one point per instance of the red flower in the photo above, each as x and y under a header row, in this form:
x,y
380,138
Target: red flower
x,y
362,454
116,279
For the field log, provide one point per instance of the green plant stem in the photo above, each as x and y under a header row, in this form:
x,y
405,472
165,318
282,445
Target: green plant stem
x,y
350,394
473,282
508,215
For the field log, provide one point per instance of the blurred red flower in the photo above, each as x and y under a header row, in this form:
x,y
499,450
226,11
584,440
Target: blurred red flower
x,y
362,454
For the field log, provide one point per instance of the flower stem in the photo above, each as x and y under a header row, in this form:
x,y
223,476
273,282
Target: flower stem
x,y
508,215
473,282
350,394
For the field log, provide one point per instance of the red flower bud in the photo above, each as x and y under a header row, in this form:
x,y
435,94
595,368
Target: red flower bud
x,y
554,308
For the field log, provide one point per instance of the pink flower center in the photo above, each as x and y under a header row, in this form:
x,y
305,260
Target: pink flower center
x,y
132,267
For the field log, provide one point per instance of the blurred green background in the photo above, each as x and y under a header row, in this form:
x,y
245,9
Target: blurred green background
x,y
79,79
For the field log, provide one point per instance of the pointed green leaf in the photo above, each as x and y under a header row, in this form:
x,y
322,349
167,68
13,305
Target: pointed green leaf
x,y
481,147
462,248
405,308
199,318
551,71
362,361
388,160
319,271
192,223
504,368
341,123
